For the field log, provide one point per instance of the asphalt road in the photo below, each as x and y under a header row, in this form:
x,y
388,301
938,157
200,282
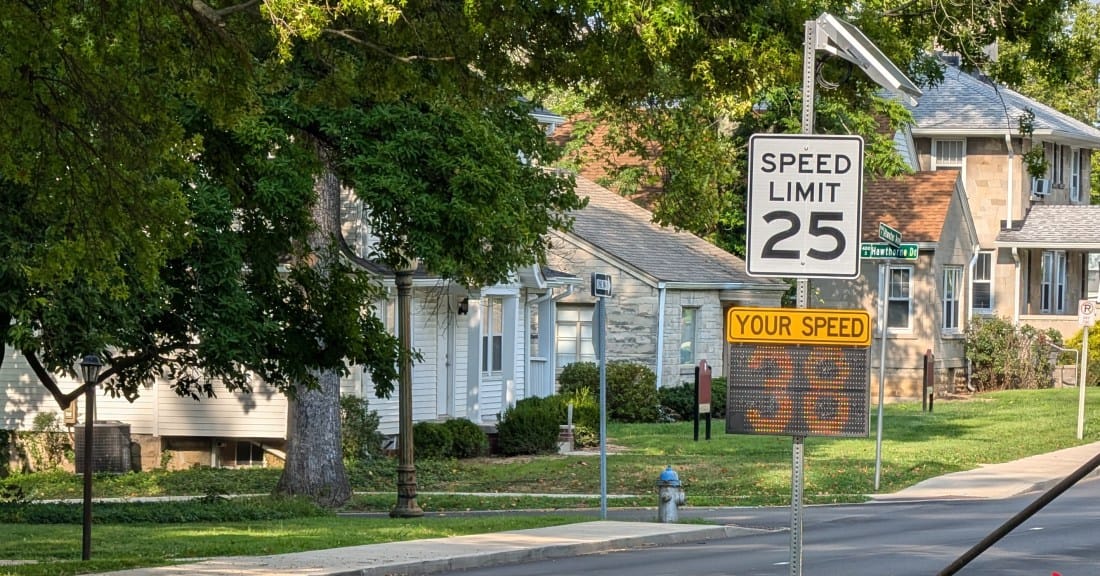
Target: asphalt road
x,y
877,539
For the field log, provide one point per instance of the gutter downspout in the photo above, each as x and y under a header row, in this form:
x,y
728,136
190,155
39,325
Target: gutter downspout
x,y
1011,163
1016,289
660,332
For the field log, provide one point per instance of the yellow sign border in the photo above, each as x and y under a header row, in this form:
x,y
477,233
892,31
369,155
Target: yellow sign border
x,y
783,321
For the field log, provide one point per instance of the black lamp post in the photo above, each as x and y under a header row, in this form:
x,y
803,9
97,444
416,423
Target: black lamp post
x,y
89,369
406,470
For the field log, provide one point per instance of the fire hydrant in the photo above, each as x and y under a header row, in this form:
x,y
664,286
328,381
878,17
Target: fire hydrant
x,y
670,495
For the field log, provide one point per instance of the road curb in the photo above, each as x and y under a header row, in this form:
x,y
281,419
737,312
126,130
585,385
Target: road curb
x,y
536,553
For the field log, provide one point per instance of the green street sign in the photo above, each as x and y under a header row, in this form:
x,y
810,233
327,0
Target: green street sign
x,y
883,250
889,235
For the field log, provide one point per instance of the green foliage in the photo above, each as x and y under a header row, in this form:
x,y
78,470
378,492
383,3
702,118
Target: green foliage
x,y
48,444
530,427
468,439
578,377
359,429
217,509
680,400
7,438
432,440
631,388
1093,371
1004,356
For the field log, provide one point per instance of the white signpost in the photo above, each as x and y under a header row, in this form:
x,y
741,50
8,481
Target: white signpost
x,y
804,205
1086,317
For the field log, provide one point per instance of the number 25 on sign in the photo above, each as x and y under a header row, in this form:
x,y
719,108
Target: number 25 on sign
x,y
805,203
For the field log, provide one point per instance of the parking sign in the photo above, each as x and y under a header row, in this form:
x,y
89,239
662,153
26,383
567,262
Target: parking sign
x,y
805,204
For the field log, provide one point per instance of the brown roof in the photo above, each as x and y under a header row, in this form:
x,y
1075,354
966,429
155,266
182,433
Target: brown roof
x,y
597,159
914,204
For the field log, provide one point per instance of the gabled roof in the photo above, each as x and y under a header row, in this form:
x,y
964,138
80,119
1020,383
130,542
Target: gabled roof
x,y
1064,226
914,204
965,105
627,233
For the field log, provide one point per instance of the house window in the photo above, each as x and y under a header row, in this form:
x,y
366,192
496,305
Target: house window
x,y
981,283
688,318
948,153
1053,288
1075,176
952,287
898,303
1058,170
492,334
573,342
1092,286
248,454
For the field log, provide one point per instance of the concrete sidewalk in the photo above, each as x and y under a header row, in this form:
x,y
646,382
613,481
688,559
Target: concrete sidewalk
x,y
419,557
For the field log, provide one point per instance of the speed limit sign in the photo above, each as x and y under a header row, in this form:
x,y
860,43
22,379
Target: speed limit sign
x,y
805,204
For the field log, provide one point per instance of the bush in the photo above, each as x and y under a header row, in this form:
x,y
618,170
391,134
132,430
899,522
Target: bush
x,y
1093,372
7,438
1004,356
631,393
678,400
530,427
579,377
432,440
359,434
468,440
631,389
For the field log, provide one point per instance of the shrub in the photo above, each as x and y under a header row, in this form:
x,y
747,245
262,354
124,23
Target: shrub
x,y
577,377
432,440
631,393
718,393
7,438
1004,356
530,427
468,440
1093,372
678,400
359,434
631,389
48,445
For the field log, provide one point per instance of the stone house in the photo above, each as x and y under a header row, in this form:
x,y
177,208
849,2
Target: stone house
x,y
923,293
1038,248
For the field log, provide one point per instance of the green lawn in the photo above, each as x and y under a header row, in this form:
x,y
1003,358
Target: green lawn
x,y
726,470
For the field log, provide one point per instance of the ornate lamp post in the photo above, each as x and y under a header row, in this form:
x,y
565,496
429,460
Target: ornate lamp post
x,y
89,369
406,470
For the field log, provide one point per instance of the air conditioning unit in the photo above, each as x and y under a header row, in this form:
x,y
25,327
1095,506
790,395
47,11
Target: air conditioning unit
x,y
1040,186
110,447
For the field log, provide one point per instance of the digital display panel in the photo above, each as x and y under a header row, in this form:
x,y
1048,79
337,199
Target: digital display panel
x,y
798,390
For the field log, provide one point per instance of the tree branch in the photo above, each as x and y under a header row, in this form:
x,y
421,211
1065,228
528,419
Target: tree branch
x,y
217,16
63,400
371,45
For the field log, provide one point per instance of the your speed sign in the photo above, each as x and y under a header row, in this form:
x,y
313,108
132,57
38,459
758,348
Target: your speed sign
x,y
805,205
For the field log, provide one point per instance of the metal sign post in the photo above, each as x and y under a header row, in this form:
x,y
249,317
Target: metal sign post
x,y
882,272
601,289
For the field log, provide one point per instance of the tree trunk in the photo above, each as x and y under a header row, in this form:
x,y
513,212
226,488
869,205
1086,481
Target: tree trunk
x,y
314,457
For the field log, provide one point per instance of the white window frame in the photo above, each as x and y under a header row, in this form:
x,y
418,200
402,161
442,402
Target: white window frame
x,y
1052,287
980,277
939,161
892,298
691,341
952,299
492,332
579,340
1075,175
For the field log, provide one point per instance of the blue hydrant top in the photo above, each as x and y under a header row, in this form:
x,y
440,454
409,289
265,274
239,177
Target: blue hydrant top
x,y
669,477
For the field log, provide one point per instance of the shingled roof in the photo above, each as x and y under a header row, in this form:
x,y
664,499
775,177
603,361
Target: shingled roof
x,y
626,232
964,104
1063,226
914,204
